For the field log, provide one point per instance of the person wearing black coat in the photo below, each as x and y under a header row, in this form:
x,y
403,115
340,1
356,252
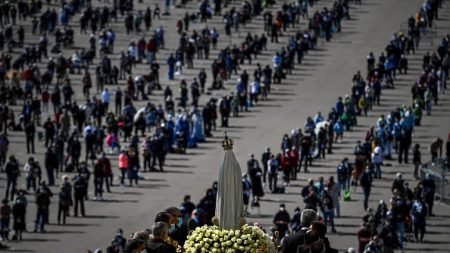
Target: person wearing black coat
x,y
51,164
157,242
79,193
291,243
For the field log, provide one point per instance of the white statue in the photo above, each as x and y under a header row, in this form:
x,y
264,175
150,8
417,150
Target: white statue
x,y
229,204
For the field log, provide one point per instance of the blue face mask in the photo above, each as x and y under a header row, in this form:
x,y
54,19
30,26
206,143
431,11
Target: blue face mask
x,y
180,222
171,228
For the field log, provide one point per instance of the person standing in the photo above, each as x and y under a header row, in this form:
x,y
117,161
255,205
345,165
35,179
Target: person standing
x,y
246,190
79,193
42,202
291,242
264,159
327,207
377,160
429,188
366,184
51,164
364,237
171,67
255,178
389,236
63,204
335,192
99,176
12,174
281,221
294,157
19,210
109,176
419,212
123,167
306,144
273,166
5,216
158,242
30,132
417,160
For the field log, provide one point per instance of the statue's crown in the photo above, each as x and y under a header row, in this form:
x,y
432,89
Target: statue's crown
x,y
227,143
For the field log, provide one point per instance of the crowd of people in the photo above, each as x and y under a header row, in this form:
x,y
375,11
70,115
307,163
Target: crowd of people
x,y
173,128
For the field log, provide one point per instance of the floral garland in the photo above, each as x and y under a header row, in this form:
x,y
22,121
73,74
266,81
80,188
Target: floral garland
x,y
248,239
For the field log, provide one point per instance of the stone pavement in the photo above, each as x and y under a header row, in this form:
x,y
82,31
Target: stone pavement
x,y
325,74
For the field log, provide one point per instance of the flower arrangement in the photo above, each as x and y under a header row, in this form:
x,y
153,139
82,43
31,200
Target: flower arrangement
x,y
248,239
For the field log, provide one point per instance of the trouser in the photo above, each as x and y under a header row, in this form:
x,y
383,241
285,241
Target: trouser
x,y
133,175
366,197
109,182
4,227
328,217
160,159
147,161
377,170
79,201
430,203
31,183
62,210
30,144
403,153
294,172
98,187
287,175
401,233
10,187
419,229
50,176
265,173
41,217
272,181
304,157
224,120
123,171
416,170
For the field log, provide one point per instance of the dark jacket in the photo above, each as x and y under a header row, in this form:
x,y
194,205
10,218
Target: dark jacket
x,y
159,246
291,242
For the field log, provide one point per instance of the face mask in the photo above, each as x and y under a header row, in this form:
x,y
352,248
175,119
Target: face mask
x,y
171,228
180,222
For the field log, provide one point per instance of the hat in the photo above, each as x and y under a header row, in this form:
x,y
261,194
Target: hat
x,y
351,250
282,205
399,175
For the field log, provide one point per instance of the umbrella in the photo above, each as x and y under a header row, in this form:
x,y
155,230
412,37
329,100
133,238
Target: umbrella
x,y
10,74
139,112
323,124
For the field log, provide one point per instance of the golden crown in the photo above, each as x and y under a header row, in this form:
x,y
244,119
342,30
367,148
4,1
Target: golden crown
x,y
227,143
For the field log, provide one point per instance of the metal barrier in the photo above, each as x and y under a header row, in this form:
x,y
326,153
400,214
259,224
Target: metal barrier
x,y
438,172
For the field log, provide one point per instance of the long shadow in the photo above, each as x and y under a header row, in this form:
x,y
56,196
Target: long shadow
x,y
277,201
178,171
12,249
81,224
119,201
39,240
184,165
65,232
100,217
128,193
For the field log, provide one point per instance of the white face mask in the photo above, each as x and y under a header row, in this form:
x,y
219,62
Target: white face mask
x,y
171,228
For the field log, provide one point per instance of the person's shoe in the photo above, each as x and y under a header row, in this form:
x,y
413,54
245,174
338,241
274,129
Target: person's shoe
x,y
333,230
